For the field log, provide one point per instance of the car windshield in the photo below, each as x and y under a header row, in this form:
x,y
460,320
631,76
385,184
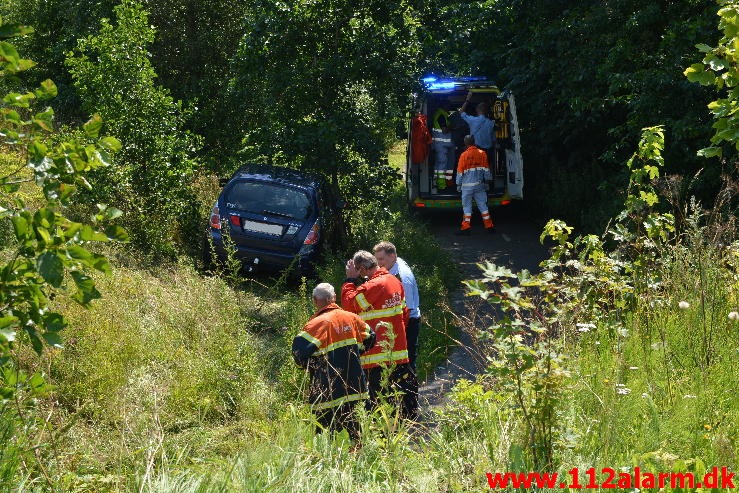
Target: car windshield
x,y
268,199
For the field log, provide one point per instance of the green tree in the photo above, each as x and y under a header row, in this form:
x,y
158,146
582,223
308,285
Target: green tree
x,y
194,44
114,77
321,85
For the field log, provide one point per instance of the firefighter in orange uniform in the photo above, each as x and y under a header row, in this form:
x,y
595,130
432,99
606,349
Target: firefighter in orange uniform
x,y
472,174
380,301
329,347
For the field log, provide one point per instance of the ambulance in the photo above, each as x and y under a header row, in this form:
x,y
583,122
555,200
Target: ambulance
x,y
427,185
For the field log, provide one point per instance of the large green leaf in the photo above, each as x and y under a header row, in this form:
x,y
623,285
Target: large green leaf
x,y
20,225
110,143
86,290
93,126
54,322
51,268
9,54
116,233
88,233
53,339
44,120
47,90
8,321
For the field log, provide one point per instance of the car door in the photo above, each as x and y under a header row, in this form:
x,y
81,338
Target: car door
x,y
514,160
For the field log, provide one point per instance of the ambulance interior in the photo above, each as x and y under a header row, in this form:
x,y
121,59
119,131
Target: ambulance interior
x,y
453,100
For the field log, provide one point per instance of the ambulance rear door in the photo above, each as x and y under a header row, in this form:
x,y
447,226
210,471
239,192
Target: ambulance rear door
x,y
514,161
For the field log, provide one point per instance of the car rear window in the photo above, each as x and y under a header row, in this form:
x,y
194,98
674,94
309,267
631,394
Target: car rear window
x,y
268,199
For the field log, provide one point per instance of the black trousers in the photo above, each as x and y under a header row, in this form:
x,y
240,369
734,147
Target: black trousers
x,y
411,334
339,418
401,389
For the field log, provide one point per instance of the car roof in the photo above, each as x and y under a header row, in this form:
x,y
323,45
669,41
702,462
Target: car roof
x,y
287,176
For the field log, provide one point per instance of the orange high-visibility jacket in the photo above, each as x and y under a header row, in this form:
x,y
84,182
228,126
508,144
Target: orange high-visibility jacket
x,y
329,346
420,139
473,169
381,303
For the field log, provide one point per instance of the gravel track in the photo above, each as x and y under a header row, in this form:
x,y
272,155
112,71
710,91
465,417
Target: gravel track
x,y
515,244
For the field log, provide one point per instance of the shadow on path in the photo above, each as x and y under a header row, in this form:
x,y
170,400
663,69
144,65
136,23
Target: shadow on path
x,y
515,244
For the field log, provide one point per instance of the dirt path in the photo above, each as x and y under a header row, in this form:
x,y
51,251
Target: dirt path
x,y
515,244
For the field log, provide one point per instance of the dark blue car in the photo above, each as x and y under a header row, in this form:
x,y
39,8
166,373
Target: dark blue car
x,y
272,218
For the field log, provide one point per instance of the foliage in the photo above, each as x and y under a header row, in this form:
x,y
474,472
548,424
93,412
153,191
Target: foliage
x,y
57,26
527,362
718,69
320,86
588,77
114,77
581,280
50,254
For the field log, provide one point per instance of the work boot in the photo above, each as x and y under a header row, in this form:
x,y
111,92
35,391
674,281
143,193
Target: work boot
x,y
490,230
465,229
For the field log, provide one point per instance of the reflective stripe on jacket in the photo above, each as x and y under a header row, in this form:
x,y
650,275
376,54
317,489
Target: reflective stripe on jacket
x,y
473,167
381,303
329,347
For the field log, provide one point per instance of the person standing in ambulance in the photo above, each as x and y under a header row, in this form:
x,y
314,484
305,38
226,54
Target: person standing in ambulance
x,y
443,148
482,128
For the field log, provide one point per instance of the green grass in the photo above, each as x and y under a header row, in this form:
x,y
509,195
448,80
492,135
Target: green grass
x,y
176,382
172,370
660,384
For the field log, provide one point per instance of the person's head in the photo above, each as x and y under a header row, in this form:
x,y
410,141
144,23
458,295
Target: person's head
x,y
469,140
483,109
386,254
323,295
365,263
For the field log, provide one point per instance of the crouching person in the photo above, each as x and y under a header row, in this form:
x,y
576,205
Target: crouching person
x,y
329,347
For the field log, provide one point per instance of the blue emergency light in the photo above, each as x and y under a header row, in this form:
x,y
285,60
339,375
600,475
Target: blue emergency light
x,y
433,83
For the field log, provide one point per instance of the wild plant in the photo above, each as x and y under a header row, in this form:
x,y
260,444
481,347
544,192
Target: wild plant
x,y
49,255
581,283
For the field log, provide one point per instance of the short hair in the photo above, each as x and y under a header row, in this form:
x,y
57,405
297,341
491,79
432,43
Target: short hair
x,y
386,247
469,139
324,292
483,108
364,259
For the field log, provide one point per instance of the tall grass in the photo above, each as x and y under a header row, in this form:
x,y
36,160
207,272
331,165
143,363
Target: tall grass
x,y
166,381
176,382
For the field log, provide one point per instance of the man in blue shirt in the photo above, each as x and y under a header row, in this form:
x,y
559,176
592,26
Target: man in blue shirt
x,y
482,128
387,257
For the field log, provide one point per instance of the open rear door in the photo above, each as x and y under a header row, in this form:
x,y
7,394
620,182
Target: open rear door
x,y
514,161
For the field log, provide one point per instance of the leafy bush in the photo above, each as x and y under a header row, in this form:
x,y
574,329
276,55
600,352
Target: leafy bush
x,y
320,86
113,76
48,257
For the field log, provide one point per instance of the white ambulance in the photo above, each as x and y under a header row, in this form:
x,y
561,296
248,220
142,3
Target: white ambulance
x,y
428,187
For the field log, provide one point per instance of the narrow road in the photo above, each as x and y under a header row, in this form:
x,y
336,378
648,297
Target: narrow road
x,y
515,244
